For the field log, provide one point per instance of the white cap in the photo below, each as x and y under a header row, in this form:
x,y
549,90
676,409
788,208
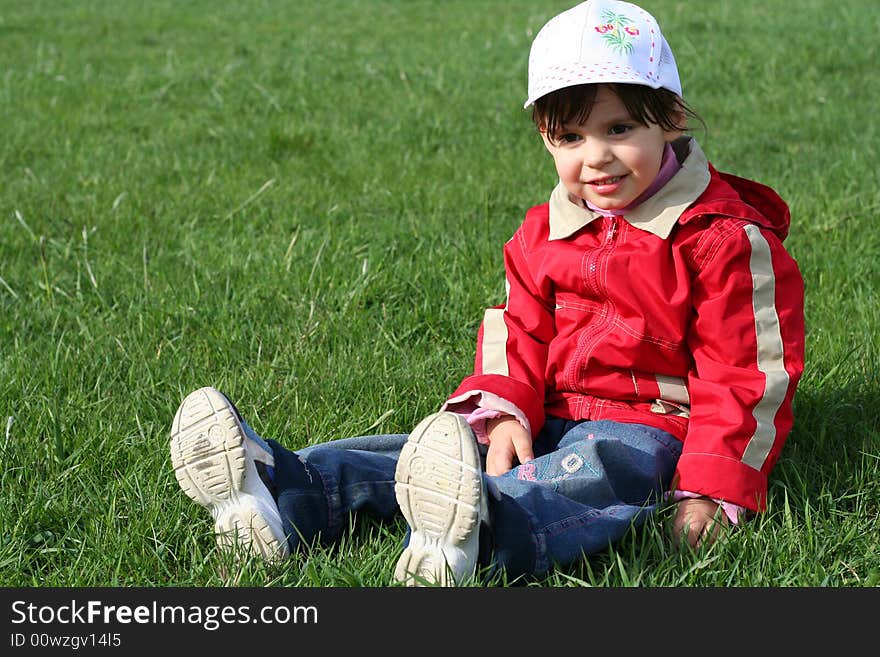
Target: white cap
x,y
600,41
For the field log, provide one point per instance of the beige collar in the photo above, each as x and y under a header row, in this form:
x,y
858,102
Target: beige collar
x,y
656,215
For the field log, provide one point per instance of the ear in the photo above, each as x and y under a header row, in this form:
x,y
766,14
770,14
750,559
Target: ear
x,y
680,118
547,143
671,135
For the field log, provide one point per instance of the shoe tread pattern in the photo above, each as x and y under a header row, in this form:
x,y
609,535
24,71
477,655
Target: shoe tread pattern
x,y
207,449
438,489
210,464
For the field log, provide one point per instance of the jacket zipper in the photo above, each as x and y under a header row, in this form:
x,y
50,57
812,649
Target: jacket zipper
x,y
586,345
598,256
612,230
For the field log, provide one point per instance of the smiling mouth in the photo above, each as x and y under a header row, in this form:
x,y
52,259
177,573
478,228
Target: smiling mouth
x,y
606,181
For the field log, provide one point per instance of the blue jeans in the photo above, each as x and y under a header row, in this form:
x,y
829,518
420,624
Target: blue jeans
x,y
587,485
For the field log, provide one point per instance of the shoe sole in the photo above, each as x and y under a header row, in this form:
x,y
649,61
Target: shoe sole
x,y
439,490
211,465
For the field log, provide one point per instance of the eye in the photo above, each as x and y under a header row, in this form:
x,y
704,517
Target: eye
x,y
619,129
568,138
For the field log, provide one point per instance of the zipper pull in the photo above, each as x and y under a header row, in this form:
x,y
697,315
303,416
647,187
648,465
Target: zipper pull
x,y
612,229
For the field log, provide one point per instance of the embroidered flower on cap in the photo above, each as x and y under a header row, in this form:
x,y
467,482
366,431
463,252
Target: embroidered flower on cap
x,y
617,33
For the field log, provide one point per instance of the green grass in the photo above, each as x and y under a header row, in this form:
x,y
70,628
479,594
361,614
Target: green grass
x,y
304,204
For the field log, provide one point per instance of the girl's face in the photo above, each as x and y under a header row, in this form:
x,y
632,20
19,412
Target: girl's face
x,y
610,159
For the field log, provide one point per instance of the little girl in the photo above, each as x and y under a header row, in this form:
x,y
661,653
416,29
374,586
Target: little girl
x,y
648,348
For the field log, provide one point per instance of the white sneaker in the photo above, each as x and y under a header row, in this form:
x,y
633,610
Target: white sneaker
x,y
216,465
440,490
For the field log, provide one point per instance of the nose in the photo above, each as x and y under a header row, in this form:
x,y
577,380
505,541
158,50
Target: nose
x,y
596,152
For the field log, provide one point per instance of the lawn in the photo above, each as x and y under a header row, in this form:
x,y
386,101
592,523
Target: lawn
x,y
303,204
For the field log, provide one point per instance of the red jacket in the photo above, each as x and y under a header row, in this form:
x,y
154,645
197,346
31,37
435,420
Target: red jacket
x,y
687,316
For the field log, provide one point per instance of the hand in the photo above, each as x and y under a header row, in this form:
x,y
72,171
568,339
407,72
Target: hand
x,y
508,442
698,521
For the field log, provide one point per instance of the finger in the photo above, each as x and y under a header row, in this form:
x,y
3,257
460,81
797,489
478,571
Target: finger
x,y
499,466
687,530
498,461
523,447
710,529
694,533
713,527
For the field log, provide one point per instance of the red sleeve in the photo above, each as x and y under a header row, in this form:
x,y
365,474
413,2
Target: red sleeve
x,y
747,338
511,355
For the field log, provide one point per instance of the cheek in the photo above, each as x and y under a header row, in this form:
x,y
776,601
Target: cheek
x,y
647,159
567,167
642,165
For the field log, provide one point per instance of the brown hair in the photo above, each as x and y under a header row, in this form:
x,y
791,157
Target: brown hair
x,y
645,105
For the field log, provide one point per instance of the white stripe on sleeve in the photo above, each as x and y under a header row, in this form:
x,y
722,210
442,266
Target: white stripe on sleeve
x,y
673,388
771,359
